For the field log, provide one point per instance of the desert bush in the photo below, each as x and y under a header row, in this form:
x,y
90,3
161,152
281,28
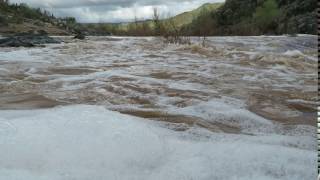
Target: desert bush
x,y
169,30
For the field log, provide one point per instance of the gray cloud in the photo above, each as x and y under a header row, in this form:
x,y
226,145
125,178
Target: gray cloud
x,y
113,10
87,3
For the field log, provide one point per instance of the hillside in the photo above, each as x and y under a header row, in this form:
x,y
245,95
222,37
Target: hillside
x,y
255,17
17,18
187,17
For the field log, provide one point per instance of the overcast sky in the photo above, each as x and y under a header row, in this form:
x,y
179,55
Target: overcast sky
x,y
114,10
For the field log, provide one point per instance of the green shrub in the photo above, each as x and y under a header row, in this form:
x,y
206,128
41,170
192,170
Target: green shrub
x,y
266,15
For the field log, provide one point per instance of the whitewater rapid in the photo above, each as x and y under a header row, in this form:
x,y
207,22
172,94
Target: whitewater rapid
x,y
136,108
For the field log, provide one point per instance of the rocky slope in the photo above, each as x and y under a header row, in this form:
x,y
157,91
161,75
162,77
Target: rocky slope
x,y
18,18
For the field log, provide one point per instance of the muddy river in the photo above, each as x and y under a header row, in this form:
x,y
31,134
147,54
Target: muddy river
x,y
238,108
271,77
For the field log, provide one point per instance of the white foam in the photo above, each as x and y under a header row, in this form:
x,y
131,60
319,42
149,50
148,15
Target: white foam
x,y
228,111
22,55
89,142
293,53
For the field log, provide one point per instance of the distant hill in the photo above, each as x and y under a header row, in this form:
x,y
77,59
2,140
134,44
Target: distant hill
x,y
144,27
16,18
187,17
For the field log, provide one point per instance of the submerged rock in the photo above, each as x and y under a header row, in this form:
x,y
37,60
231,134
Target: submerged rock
x,y
27,40
15,42
80,36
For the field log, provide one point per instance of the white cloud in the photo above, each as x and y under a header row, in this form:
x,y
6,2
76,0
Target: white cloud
x,y
114,10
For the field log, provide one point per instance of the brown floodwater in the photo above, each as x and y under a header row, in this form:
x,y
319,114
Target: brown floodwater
x,y
230,81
